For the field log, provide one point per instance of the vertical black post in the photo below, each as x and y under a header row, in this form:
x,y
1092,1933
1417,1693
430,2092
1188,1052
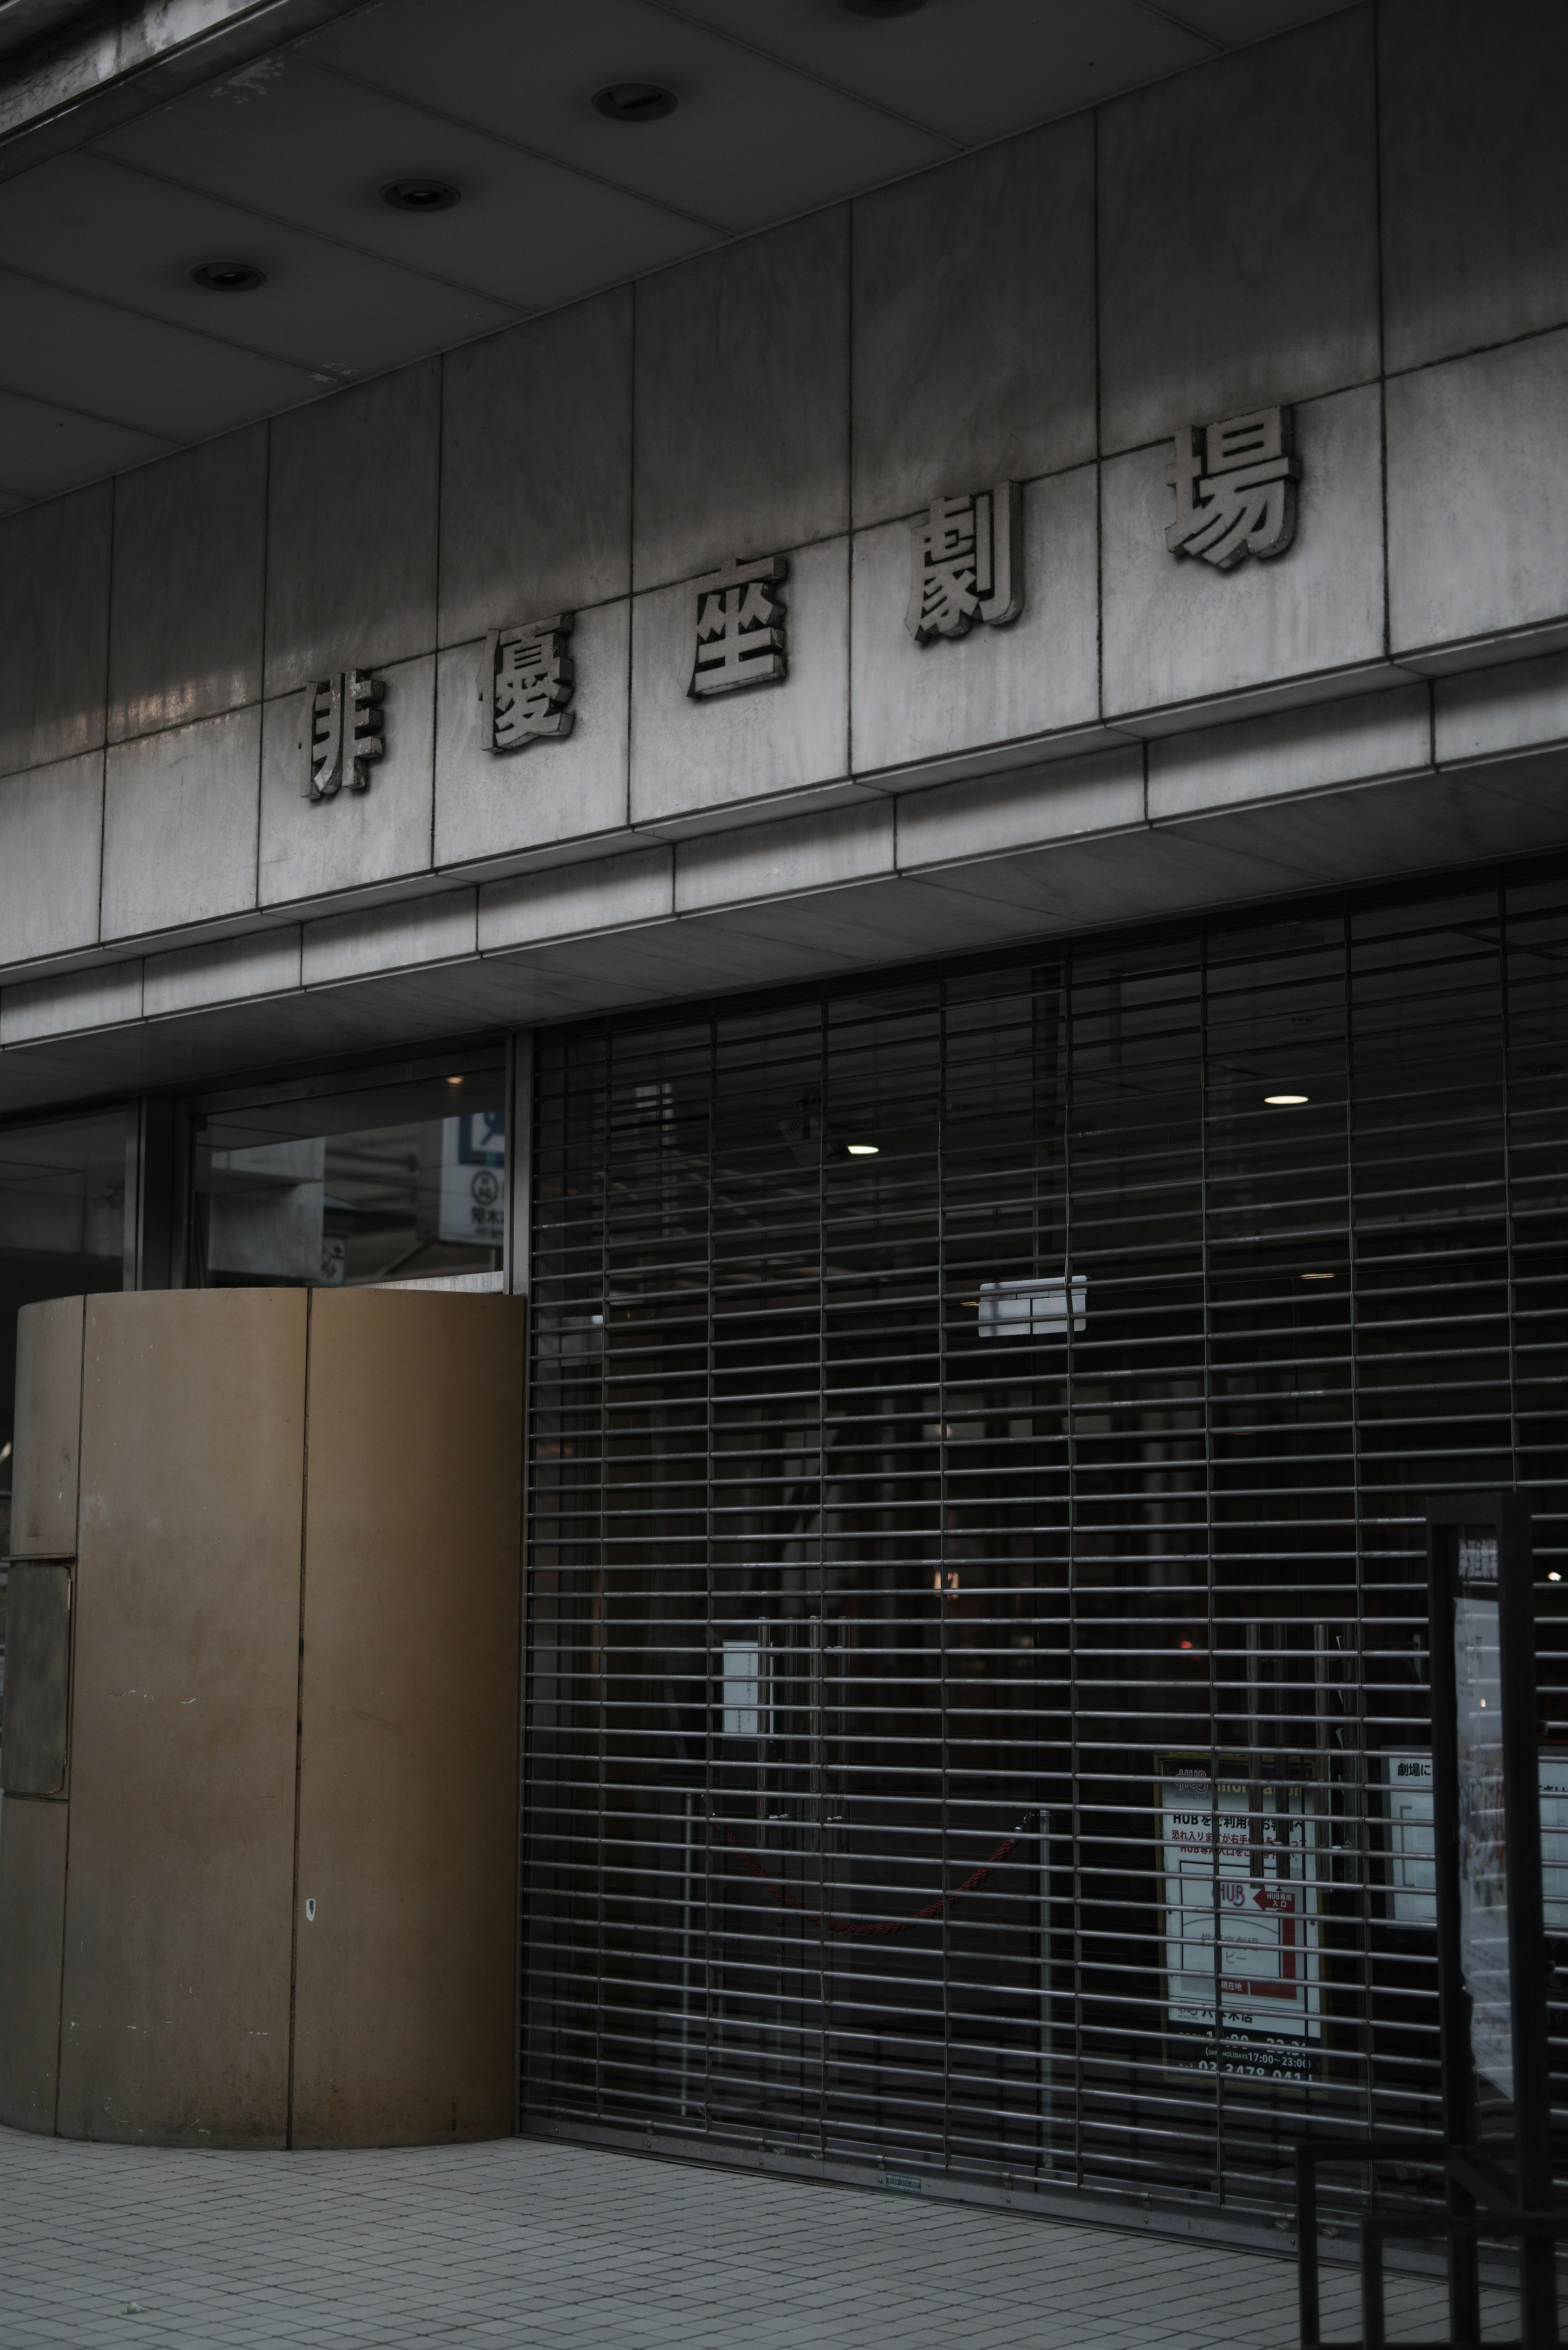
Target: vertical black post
x,y
1374,2334
1311,2315
1453,2000
1526,1922
1490,1936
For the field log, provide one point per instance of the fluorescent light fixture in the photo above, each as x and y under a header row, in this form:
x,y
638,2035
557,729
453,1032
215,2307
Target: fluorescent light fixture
x,y
1317,1276
862,1150
1285,1101
1031,1309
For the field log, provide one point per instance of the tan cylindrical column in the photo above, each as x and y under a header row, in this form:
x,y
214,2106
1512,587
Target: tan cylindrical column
x,y
271,1562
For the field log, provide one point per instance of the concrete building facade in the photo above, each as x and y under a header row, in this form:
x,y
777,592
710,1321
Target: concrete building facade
x,y
938,675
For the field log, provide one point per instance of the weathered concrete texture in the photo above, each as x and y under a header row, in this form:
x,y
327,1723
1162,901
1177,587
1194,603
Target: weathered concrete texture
x,y
490,804
995,684
311,848
1239,235
1478,497
1176,630
742,402
180,825
1475,173
351,529
186,634
51,823
535,482
54,628
761,740
974,322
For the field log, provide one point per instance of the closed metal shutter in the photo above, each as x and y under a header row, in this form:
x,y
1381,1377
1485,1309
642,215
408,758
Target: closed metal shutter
x,y
977,1718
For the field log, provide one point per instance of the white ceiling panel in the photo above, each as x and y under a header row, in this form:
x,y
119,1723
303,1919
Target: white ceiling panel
x,y
315,148
105,229
45,450
972,69
61,346
752,140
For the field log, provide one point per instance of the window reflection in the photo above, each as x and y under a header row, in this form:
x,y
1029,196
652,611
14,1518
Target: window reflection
x,y
62,1233
376,1182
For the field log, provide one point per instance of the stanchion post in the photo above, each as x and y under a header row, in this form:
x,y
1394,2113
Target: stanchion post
x,y
1308,2310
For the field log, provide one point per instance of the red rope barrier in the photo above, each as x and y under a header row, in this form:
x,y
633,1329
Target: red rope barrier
x,y
869,1928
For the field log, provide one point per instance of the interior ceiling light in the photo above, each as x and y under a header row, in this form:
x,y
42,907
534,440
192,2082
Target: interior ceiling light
x,y
228,276
862,1150
1317,1276
1285,1101
420,195
635,101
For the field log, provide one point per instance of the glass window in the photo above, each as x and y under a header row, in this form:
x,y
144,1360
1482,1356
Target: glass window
x,y
62,1232
358,1180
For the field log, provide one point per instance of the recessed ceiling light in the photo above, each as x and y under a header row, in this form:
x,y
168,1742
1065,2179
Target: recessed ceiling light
x,y
228,276
882,7
420,195
1285,1101
862,1150
1317,1276
1553,1575
635,101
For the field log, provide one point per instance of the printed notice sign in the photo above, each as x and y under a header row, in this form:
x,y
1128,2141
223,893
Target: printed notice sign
x,y
1241,1939
462,1167
1412,1866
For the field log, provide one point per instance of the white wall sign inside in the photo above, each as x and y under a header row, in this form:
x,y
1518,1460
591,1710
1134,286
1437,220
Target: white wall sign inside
x,y
1240,1941
1412,1880
463,1170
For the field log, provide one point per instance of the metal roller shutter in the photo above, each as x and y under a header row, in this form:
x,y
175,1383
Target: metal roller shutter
x,y
976,1567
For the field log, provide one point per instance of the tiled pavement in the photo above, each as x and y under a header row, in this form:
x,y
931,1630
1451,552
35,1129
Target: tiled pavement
x,y
534,2245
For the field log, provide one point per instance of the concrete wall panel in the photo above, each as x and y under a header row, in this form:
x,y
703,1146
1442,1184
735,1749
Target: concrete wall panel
x,y
994,685
1239,235
233,970
1477,494
351,529
1475,173
47,1429
309,847
490,803
765,739
185,614
176,1985
180,825
407,1826
1177,631
742,402
974,322
607,894
798,853
103,998
536,475
983,819
54,628
51,838
389,937
32,1934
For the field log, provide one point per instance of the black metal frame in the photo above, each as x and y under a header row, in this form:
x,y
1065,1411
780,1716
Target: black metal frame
x,y
1483,2199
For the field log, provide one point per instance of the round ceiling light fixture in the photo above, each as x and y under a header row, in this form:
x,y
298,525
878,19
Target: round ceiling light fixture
x,y
635,101
882,7
227,277
420,195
